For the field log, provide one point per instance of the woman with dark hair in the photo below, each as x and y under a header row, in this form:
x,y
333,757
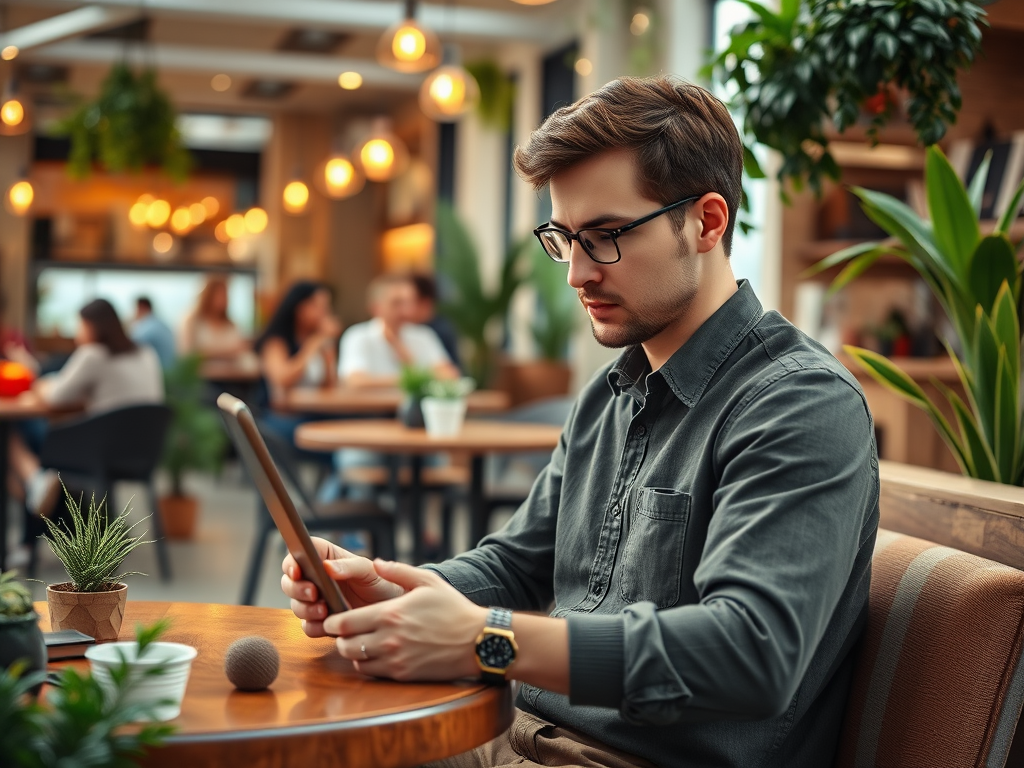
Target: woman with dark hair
x,y
106,371
299,346
208,331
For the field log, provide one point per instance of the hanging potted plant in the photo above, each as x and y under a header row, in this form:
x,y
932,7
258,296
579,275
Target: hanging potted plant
x,y
819,65
20,636
976,278
195,440
92,550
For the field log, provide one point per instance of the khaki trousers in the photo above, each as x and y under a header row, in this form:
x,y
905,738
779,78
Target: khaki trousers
x,y
531,741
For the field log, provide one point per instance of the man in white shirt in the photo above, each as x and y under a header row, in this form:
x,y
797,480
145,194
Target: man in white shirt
x,y
373,353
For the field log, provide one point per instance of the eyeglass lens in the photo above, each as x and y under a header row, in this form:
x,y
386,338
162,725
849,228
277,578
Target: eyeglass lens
x,y
600,245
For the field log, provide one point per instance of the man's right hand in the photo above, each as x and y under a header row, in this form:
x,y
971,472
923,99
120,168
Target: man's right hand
x,y
356,575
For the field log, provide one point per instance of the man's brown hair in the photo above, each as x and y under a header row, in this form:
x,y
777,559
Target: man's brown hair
x,y
683,138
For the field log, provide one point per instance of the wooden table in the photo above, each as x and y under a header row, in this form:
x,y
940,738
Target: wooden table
x,y
352,401
477,438
245,371
319,711
25,406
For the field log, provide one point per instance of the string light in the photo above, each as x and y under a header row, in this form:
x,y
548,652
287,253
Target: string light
x,y
220,83
138,214
350,81
12,112
295,197
158,213
181,220
339,178
9,53
212,206
584,67
641,21
163,242
221,232
197,214
234,225
256,220
20,197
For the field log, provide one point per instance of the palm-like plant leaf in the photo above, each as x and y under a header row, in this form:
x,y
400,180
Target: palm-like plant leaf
x,y
953,219
992,264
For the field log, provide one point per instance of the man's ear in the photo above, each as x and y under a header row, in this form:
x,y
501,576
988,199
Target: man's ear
x,y
713,214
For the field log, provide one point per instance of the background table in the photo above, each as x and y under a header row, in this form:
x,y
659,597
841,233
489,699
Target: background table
x,y
319,711
27,406
351,401
477,438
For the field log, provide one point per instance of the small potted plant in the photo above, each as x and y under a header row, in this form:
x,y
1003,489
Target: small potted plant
x,y
82,721
20,636
195,440
444,407
413,382
92,550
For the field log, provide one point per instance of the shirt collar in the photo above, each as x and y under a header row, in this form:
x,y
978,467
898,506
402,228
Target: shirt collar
x,y
693,365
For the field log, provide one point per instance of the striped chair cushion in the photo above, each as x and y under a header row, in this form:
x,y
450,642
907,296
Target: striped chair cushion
x,y
939,680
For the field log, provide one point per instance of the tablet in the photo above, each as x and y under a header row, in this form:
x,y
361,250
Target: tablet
x,y
253,450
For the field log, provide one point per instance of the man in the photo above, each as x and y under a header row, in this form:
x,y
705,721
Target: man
x,y
424,312
372,354
151,330
704,529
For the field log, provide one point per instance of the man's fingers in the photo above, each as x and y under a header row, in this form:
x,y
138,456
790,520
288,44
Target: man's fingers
x,y
359,621
299,590
309,611
406,576
313,628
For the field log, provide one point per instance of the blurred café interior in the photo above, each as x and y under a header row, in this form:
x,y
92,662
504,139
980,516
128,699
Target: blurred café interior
x,y
214,169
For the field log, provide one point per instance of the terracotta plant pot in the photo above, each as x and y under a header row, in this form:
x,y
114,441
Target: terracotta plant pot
x,y
97,614
535,380
179,515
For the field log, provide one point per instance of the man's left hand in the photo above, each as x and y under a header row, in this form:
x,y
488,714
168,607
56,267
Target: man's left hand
x,y
429,633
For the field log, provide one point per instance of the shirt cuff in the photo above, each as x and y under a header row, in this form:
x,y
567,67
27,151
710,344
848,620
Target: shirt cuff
x,y
596,648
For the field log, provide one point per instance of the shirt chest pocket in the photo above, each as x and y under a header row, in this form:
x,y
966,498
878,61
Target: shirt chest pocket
x,y
652,559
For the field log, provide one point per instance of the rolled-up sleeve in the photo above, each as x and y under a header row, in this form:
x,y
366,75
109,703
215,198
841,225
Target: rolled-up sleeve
x,y
794,506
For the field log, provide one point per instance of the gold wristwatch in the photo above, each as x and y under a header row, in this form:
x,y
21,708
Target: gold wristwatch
x,y
496,647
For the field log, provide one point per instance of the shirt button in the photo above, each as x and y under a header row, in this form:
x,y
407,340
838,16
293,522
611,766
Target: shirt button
x,y
616,510
598,590
641,431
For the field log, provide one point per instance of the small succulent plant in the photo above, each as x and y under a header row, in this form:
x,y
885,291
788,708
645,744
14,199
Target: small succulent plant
x,y
15,598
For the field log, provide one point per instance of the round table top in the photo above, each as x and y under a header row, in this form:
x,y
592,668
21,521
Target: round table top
x,y
391,436
243,370
27,405
344,401
318,708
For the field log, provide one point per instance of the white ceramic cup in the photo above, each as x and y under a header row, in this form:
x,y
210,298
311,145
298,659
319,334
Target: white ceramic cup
x,y
443,416
147,689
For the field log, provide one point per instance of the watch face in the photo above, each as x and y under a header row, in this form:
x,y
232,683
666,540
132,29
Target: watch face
x,y
496,651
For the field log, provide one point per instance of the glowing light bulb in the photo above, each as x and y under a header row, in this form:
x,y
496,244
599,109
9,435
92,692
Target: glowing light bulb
x,y
197,214
584,67
449,93
256,220
9,53
12,112
339,172
137,214
350,81
641,21
221,232
20,197
295,197
158,214
163,242
181,220
377,156
212,205
234,225
409,44
220,83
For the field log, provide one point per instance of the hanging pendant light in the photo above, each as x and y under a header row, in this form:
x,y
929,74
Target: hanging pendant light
x,y
338,178
19,197
450,91
408,46
295,196
382,155
14,116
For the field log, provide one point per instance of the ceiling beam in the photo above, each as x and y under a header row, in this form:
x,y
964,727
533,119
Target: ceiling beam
x,y
542,25
274,66
81,21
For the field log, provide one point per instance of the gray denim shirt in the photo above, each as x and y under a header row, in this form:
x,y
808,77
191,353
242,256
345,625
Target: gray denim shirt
x,y
707,531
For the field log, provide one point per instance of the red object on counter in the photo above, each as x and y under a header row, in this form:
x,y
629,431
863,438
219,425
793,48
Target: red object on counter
x,y
15,378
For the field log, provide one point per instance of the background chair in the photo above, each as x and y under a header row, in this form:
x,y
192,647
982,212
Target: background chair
x,y
94,453
939,679
336,516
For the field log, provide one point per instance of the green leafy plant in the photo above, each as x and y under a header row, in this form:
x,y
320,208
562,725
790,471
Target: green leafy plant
x,y
822,63
94,546
558,308
976,279
476,311
15,598
497,94
131,124
196,438
413,381
82,724
450,389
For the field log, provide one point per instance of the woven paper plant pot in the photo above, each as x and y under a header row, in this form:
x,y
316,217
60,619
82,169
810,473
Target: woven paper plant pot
x,y
97,614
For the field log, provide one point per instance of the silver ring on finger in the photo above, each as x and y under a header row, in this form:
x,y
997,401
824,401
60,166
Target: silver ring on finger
x,y
362,649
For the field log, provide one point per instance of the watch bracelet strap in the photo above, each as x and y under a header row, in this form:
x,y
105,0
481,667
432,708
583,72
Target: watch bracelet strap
x,y
497,618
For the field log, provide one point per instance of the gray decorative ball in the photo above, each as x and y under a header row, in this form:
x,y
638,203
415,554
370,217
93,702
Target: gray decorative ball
x,y
251,663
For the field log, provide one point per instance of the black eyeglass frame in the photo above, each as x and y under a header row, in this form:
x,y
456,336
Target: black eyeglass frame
x,y
613,233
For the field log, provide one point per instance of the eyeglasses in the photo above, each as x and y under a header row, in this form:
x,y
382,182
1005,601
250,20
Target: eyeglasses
x,y
601,244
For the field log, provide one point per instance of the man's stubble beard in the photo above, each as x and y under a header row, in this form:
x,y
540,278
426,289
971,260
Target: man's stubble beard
x,y
646,321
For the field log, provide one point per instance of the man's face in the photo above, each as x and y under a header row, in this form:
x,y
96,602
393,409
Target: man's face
x,y
653,285
395,305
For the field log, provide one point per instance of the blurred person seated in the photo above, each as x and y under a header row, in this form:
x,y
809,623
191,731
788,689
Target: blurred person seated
x,y
373,353
150,330
107,371
424,312
208,331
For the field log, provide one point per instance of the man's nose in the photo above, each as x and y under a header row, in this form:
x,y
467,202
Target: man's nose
x,y
582,268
